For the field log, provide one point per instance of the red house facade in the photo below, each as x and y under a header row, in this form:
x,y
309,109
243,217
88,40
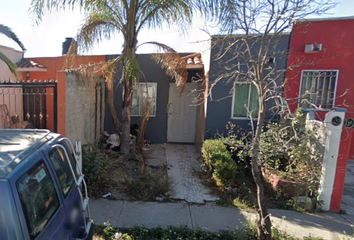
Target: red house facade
x,y
320,77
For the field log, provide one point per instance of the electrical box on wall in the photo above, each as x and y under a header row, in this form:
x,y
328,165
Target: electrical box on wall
x,y
312,48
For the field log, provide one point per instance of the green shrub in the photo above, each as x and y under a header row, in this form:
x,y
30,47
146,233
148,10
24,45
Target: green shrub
x,y
219,162
225,171
94,167
294,152
209,148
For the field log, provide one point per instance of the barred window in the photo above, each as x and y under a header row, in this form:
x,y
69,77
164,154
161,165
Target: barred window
x,y
318,89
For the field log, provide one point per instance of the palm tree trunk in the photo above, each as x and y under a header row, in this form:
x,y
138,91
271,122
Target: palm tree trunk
x,y
127,106
142,129
128,84
264,224
110,100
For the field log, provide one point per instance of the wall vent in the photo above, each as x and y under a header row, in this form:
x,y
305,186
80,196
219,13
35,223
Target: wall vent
x,y
312,48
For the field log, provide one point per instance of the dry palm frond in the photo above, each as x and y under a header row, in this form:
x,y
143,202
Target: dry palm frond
x,y
172,63
142,128
92,71
109,71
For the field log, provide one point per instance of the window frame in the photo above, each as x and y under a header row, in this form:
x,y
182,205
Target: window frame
x,y
66,161
248,100
335,86
139,84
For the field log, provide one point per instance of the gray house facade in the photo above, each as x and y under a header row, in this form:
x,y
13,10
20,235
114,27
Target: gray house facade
x,y
173,115
231,98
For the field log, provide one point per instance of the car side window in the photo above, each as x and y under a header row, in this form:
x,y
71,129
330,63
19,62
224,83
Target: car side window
x,y
62,169
39,198
72,158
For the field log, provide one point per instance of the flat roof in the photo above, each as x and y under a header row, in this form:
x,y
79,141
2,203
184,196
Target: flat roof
x,y
326,19
286,33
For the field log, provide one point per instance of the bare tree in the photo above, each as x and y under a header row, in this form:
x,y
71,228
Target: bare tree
x,y
253,57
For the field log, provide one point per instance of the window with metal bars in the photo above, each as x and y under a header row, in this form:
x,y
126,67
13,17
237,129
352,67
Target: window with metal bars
x,y
318,88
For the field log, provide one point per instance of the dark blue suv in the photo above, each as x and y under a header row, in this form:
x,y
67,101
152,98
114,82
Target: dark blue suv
x,y
43,194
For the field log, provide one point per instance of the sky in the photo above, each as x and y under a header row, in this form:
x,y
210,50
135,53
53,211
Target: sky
x,y
46,39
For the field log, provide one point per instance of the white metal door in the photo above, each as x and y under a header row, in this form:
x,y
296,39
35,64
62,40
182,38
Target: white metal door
x,y
181,114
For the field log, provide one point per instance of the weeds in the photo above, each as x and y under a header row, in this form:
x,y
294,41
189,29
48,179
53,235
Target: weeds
x,y
249,232
95,165
177,233
243,203
147,185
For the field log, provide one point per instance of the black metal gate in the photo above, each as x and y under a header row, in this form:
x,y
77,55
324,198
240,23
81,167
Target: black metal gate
x,y
28,105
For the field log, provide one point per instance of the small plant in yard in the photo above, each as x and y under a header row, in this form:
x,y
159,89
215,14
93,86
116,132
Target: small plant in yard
x,y
293,152
95,165
110,233
148,184
220,164
243,203
292,149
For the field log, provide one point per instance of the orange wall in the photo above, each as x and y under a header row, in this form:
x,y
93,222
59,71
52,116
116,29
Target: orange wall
x,y
61,103
55,71
55,64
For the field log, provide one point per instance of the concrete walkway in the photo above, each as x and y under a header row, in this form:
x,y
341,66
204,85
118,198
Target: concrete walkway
x,y
182,161
124,214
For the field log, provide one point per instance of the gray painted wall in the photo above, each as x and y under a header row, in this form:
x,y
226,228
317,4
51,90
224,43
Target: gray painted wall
x,y
156,130
220,101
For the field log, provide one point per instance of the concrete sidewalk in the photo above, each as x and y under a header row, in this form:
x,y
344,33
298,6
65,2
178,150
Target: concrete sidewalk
x,y
125,214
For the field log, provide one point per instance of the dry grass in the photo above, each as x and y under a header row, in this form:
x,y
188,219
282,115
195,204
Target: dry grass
x,y
130,179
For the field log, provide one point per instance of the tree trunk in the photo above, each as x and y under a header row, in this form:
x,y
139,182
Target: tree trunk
x,y
128,84
264,224
142,129
110,99
127,106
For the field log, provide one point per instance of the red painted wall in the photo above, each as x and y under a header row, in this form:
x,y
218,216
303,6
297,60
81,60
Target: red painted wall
x,y
337,38
55,66
339,180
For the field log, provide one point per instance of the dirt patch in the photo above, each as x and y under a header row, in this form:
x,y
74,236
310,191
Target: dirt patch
x,y
127,176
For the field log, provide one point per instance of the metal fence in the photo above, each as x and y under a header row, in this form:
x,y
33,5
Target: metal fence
x,y
28,104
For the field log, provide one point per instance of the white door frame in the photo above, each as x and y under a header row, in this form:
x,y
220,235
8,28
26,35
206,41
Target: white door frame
x,y
181,114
